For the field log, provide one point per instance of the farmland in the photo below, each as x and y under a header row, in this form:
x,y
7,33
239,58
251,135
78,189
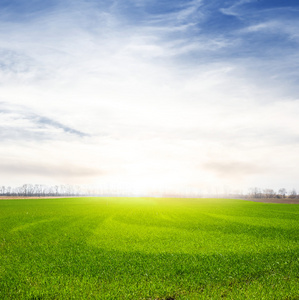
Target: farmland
x,y
148,248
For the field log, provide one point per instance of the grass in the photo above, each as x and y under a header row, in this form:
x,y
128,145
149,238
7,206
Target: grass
x,y
146,248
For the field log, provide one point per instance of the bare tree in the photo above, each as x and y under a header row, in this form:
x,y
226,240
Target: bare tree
x,y
282,192
255,192
293,194
269,193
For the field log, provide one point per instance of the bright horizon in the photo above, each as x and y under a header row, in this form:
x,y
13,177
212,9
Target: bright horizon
x,y
177,95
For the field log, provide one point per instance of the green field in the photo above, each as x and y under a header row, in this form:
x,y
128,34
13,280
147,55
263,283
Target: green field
x,y
148,248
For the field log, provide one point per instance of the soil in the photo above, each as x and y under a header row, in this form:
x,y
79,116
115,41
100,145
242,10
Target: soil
x,y
275,200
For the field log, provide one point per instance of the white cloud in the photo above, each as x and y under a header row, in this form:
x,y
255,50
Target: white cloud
x,y
236,9
146,118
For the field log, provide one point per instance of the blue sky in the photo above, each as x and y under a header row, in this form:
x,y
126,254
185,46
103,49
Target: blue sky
x,y
199,95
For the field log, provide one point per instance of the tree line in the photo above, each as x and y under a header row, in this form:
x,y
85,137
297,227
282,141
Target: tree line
x,y
40,190
270,193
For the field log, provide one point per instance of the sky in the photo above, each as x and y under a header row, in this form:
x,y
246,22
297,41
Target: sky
x,y
150,95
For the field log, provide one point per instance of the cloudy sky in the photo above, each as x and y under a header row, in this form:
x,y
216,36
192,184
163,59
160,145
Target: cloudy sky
x,y
150,94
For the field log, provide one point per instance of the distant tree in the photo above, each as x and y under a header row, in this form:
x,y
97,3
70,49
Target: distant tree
x,y
269,193
56,188
8,191
255,192
2,190
282,192
293,194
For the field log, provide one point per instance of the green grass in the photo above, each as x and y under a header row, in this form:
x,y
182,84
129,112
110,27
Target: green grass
x,y
146,248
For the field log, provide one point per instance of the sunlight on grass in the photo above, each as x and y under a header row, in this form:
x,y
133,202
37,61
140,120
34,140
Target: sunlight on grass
x,y
148,248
